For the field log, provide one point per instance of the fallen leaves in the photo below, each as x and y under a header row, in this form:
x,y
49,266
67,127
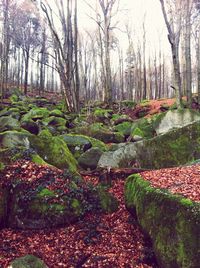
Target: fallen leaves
x,y
98,240
180,180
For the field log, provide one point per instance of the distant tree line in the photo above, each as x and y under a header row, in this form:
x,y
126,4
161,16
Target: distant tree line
x,y
43,49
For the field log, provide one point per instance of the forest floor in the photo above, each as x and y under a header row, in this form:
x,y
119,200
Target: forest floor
x,y
97,240
103,240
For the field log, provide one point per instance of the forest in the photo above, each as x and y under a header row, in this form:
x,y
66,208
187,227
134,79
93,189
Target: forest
x,y
99,133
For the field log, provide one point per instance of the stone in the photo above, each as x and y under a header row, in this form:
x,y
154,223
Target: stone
x,y
174,148
137,138
8,123
122,157
35,114
53,150
77,144
13,139
57,113
30,126
27,261
90,158
176,119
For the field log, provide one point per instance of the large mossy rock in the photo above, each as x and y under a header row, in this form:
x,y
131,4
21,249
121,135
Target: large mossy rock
x,y
174,148
124,128
30,126
36,114
8,123
47,197
53,150
172,223
90,158
77,144
13,139
27,261
176,119
145,127
100,132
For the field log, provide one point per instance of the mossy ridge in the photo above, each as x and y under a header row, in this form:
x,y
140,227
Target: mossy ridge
x,y
171,221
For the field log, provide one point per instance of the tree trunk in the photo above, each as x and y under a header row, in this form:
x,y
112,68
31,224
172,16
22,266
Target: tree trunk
x,y
188,54
27,57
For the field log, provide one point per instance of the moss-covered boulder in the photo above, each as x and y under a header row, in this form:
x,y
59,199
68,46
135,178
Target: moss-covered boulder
x,y
102,115
177,147
90,158
57,113
55,121
27,261
30,126
124,128
36,114
174,148
145,126
53,150
77,144
176,119
13,139
172,222
47,197
8,123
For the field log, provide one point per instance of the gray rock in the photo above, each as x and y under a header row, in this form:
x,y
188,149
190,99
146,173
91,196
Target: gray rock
x,y
8,123
90,158
137,138
121,157
177,119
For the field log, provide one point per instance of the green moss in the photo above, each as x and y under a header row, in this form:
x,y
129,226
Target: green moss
x,y
137,132
146,126
128,103
36,113
2,166
56,112
174,148
108,203
14,98
172,222
35,158
55,121
54,151
44,209
124,128
76,206
103,113
46,193
27,261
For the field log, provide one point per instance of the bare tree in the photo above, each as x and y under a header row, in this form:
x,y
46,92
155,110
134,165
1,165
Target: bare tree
x,y
66,47
4,47
173,23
